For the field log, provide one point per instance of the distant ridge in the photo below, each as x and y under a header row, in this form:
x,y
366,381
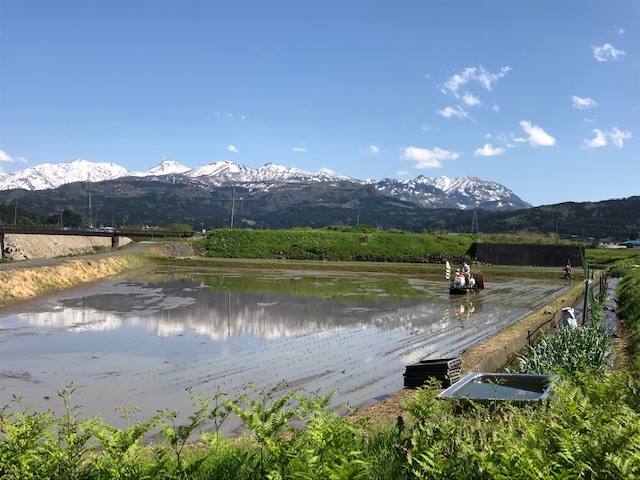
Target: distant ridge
x,y
442,192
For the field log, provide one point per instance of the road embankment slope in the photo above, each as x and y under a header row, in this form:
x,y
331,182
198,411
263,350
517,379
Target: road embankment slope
x,y
25,279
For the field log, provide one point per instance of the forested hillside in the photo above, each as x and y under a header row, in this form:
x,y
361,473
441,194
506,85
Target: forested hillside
x,y
135,201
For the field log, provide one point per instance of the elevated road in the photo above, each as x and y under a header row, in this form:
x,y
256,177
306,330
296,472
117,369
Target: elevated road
x,y
92,232
115,234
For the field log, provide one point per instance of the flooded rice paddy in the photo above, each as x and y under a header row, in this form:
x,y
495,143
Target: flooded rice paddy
x,y
142,342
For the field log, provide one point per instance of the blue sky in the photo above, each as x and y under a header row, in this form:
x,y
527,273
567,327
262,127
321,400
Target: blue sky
x,y
540,96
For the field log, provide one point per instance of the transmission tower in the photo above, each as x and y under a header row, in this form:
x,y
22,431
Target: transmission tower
x,y
474,222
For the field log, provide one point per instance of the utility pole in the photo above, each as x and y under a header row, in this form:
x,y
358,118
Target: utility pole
x,y
15,214
233,204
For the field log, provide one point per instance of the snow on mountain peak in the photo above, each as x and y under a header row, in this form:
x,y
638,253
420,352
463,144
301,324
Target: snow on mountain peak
x,y
225,171
50,175
463,192
167,167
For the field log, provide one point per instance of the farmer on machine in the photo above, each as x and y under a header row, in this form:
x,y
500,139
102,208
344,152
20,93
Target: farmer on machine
x,y
465,270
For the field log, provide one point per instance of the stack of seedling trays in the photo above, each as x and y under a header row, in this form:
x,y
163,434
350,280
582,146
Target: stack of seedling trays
x,y
445,370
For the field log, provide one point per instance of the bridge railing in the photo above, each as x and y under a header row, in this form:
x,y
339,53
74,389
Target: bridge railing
x,y
96,232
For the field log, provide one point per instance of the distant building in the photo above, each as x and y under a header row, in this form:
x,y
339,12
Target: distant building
x,y
631,243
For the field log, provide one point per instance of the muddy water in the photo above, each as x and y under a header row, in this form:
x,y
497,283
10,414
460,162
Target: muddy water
x,y
142,342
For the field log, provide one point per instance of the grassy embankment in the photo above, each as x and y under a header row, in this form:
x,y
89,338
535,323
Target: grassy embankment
x,y
365,249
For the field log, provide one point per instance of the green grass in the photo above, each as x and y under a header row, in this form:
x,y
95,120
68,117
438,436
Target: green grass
x,y
607,257
628,297
367,244
308,244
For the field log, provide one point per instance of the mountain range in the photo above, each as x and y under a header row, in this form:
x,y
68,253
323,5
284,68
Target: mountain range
x,y
442,192
225,194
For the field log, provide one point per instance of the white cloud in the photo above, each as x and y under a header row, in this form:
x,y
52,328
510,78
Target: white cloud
x,y
478,74
232,148
537,136
607,52
598,141
583,103
496,108
458,80
509,141
426,158
450,112
488,151
486,79
470,100
618,137
299,149
373,149
402,173
5,157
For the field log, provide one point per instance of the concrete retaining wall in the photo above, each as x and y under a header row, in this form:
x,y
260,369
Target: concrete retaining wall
x,y
527,255
24,246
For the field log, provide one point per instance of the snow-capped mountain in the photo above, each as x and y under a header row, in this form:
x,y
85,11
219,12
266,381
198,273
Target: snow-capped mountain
x,y
50,175
463,192
167,167
225,173
442,192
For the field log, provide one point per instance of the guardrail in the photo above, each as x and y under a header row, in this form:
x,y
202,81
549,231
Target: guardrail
x,y
94,232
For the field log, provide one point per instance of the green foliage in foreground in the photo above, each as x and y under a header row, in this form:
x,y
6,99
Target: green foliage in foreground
x,y
588,430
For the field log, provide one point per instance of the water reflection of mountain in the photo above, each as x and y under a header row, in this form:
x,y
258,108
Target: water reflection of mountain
x,y
175,307
178,306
